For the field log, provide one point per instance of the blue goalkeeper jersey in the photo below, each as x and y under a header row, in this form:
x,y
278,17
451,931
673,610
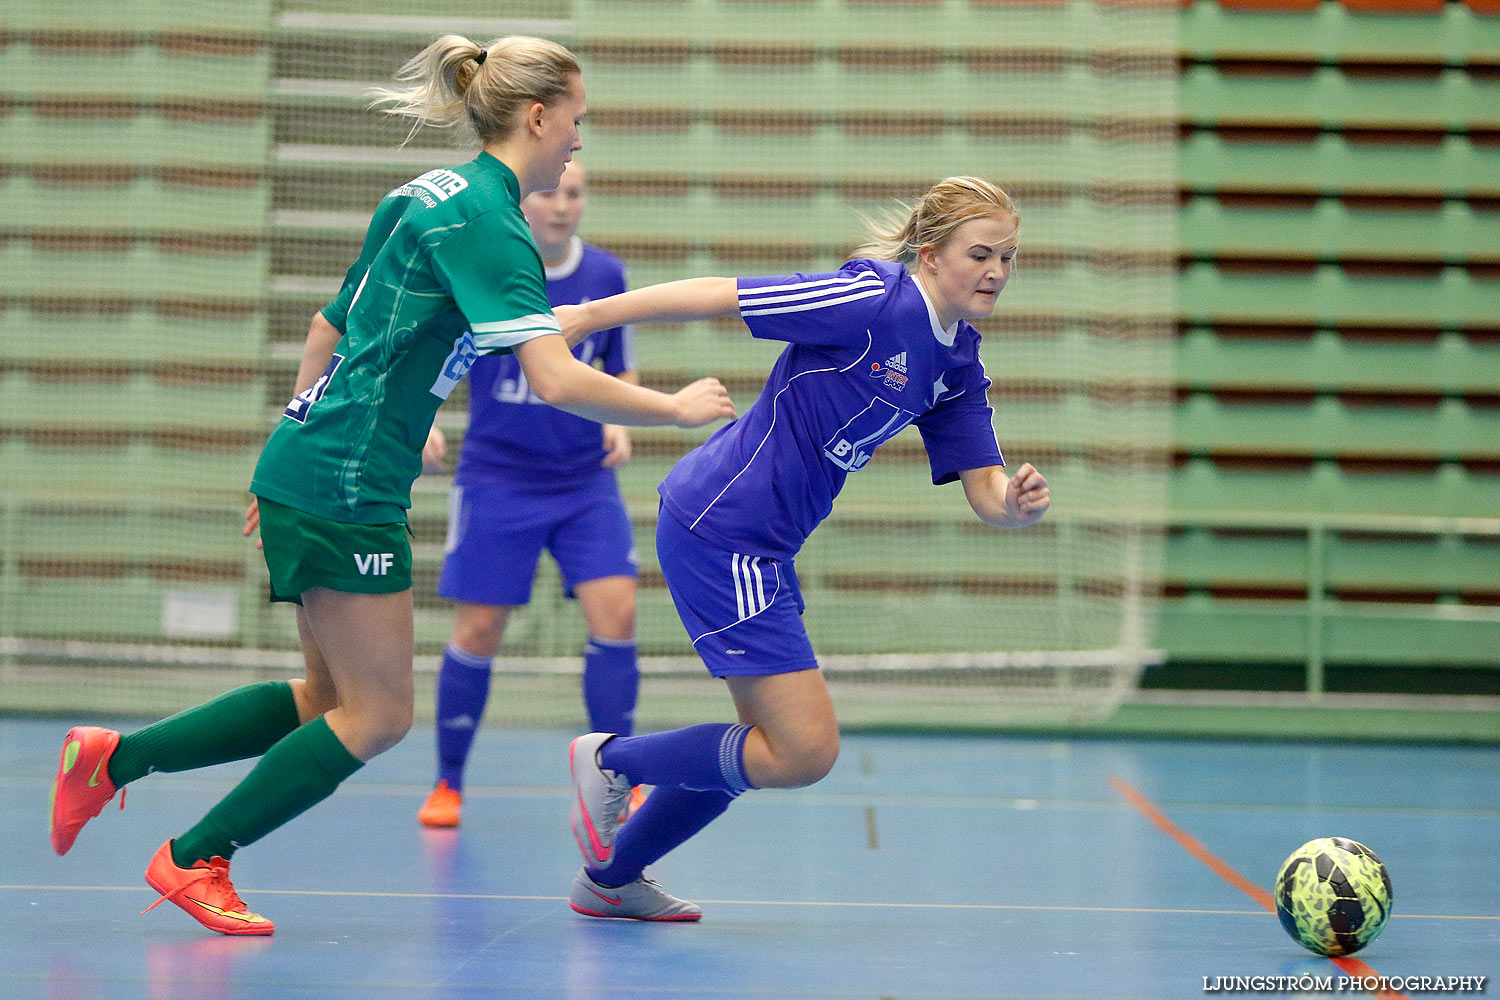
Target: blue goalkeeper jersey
x,y
865,357
512,434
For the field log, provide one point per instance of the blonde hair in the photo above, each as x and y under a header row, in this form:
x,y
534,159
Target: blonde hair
x,y
455,81
947,205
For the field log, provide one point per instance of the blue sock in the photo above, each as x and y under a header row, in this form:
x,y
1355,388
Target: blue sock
x,y
611,680
667,818
463,688
706,758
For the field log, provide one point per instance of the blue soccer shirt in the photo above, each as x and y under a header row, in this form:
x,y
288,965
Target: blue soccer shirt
x,y
511,431
866,356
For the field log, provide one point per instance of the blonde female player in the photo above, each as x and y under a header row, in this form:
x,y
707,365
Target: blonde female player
x,y
448,272
875,346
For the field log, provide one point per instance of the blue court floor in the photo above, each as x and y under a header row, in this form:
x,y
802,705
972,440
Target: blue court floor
x,y
922,868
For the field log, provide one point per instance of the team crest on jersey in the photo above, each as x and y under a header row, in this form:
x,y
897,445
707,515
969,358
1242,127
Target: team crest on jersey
x,y
433,187
457,365
893,371
851,447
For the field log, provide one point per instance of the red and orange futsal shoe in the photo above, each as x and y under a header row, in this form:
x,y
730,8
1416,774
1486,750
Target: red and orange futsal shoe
x,y
205,893
82,786
442,808
637,799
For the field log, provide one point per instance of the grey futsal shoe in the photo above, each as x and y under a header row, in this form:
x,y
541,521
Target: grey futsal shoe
x,y
599,798
642,899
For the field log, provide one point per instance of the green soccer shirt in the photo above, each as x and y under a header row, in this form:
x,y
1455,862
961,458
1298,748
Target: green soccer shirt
x,y
448,272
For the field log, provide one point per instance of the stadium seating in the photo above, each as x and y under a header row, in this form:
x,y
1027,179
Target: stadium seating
x,y
131,386
171,227
1336,486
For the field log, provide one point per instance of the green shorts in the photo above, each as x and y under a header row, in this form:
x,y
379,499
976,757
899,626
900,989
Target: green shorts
x,y
305,551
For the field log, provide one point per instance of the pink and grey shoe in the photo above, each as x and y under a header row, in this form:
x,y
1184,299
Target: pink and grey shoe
x,y
642,899
599,800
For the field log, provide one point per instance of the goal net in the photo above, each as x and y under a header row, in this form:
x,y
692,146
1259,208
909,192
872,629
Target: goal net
x,y
185,184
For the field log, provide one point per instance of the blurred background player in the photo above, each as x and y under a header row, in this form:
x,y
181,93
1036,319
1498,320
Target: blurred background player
x,y
448,271
529,478
882,343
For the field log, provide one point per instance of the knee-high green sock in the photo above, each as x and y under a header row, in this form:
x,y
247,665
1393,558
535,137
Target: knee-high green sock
x,y
241,723
296,774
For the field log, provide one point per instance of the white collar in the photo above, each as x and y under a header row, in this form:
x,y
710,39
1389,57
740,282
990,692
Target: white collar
x,y
946,337
569,263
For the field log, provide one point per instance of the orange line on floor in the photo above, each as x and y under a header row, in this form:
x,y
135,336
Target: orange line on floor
x,y
1191,844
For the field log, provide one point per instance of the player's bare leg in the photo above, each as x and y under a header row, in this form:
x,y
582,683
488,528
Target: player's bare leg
x,y
608,606
366,642
315,693
795,736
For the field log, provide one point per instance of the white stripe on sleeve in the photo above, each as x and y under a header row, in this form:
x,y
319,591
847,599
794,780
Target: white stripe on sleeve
x,y
819,304
509,332
846,279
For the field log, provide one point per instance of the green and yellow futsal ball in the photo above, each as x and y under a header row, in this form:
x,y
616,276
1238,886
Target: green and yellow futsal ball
x,y
1333,896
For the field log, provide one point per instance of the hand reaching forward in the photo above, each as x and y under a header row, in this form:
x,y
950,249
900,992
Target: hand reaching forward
x,y
434,451
616,446
252,520
1026,496
702,402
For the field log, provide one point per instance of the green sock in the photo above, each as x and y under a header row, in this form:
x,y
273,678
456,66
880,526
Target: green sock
x,y
242,723
296,774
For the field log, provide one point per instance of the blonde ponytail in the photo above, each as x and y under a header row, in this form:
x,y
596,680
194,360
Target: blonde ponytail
x,y
455,82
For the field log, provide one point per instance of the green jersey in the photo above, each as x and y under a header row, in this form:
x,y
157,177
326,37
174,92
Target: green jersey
x,y
448,272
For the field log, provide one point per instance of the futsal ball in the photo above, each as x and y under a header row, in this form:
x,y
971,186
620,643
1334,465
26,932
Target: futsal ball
x,y
1333,896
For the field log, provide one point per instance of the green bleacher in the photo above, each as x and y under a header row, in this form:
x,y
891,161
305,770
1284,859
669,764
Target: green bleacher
x,y
133,320
1334,499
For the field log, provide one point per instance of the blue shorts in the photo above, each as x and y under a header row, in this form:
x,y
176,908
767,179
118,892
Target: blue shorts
x,y
742,613
496,534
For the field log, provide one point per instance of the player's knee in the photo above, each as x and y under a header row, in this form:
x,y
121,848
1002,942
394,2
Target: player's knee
x,y
384,719
478,631
388,729
621,619
617,626
823,759
810,760
613,619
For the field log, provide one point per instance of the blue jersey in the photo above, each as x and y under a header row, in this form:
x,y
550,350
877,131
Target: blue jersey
x,y
866,356
511,431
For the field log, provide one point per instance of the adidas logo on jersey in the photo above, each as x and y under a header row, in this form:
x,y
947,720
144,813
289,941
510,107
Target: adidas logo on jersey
x,y
893,372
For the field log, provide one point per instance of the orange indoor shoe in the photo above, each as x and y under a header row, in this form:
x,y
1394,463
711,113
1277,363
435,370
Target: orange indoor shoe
x,y
637,799
204,892
82,785
442,807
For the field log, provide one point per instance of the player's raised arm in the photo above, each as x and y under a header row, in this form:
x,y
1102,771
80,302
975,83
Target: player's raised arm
x,y
1003,501
670,302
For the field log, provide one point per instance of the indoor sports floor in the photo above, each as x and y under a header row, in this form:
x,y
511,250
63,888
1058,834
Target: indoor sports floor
x,y
922,867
